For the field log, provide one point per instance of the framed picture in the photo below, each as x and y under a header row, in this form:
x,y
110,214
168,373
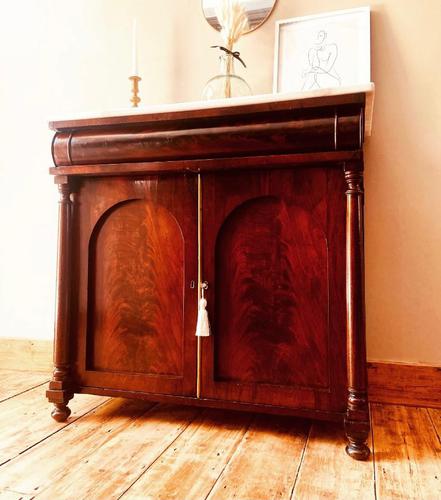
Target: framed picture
x,y
323,51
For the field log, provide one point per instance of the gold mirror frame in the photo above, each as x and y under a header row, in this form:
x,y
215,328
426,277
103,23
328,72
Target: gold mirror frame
x,y
255,21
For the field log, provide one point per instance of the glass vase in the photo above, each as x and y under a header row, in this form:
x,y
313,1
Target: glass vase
x,y
226,84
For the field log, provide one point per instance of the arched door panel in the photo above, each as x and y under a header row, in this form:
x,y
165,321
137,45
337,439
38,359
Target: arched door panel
x,y
271,310
136,309
136,278
276,295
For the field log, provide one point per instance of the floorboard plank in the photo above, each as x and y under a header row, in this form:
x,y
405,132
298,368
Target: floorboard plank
x,y
407,453
133,449
191,466
266,461
26,419
14,382
48,462
435,416
109,471
328,472
99,456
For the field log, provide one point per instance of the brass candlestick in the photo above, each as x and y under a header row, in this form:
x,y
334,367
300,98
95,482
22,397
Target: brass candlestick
x,y
135,99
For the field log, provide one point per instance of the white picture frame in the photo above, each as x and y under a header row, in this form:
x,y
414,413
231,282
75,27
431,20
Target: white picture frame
x,y
322,51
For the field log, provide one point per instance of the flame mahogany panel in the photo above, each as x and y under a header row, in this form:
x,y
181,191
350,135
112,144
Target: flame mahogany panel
x,y
273,255
136,279
136,257
271,295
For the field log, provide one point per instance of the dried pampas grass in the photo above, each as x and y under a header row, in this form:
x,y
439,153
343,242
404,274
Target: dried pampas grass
x,y
233,20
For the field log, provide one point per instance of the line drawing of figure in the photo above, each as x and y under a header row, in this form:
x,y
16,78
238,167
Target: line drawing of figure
x,y
321,57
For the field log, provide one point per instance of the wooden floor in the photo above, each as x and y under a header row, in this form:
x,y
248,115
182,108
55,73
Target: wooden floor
x,y
114,448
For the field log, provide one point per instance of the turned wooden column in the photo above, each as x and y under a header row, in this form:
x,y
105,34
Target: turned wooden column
x,y
60,391
357,414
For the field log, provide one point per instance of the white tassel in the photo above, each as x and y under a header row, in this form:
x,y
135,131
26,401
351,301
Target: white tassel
x,y
203,325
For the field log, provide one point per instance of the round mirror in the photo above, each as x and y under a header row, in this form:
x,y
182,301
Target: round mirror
x,y
257,12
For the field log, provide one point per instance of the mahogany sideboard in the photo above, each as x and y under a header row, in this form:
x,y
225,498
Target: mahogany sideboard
x,y
261,199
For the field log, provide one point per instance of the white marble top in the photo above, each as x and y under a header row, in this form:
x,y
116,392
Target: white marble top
x,y
368,89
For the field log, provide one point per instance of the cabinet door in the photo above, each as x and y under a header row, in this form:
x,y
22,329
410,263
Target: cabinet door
x,y
274,257
136,302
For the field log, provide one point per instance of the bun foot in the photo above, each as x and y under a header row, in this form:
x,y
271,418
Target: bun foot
x,y
358,451
61,412
357,425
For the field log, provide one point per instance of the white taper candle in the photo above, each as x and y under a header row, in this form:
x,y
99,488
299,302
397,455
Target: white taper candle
x,y
134,50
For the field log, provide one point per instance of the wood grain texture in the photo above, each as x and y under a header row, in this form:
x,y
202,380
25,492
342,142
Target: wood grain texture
x,y
137,446
26,355
266,461
60,386
14,382
110,451
407,453
435,416
45,464
276,287
190,467
92,147
271,295
30,411
136,271
403,384
217,403
210,164
357,413
135,260
254,129
326,472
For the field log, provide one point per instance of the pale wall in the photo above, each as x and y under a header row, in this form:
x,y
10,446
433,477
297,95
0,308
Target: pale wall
x,y
59,56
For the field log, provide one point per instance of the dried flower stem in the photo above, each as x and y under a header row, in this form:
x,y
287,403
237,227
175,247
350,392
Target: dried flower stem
x,y
234,23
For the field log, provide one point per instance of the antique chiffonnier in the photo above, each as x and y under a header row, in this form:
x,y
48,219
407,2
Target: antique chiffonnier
x,y
255,202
